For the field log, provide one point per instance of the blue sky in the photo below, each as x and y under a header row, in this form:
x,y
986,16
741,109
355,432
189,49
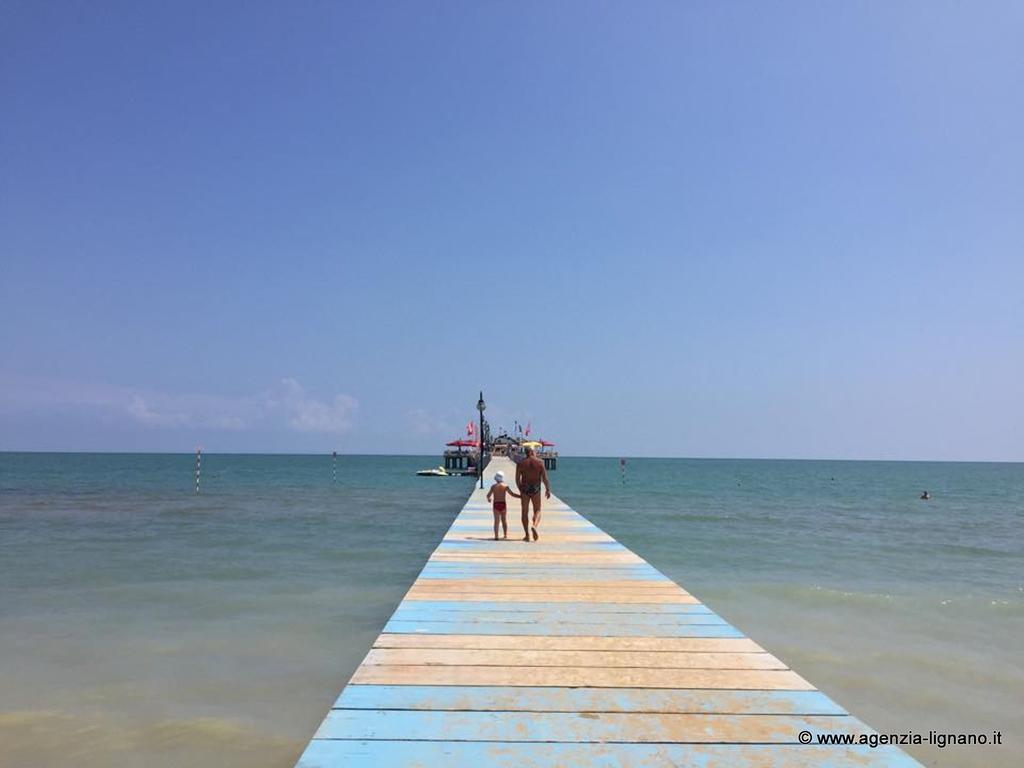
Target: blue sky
x,y
682,229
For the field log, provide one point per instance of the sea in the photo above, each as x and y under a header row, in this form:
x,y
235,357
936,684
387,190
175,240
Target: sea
x,y
143,624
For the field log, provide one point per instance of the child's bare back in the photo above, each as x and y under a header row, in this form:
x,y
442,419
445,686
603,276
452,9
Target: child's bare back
x,y
499,490
497,494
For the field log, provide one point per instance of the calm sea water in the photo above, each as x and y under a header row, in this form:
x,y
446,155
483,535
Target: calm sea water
x,y
143,625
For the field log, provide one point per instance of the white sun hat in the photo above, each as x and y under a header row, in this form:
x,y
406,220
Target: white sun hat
x,y
499,477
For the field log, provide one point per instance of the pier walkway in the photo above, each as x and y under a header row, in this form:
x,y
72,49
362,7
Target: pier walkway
x,y
572,651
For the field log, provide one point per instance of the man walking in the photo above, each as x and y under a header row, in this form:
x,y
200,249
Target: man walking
x,y
530,473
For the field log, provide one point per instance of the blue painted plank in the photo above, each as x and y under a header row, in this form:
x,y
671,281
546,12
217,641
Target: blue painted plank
x,y
521,566
635,579
483,529
490,545
600,579
482,521
477,606
500,565
451,725
493,698
416,754
487,518
541,574
545,618
560,629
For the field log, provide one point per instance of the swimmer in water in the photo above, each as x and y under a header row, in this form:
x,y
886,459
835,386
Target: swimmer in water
x,y
925,496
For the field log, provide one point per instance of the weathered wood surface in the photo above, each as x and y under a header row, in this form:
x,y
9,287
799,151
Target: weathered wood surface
x,y
571,651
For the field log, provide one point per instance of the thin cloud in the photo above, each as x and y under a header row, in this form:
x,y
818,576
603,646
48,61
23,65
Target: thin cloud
x,y
286,406
424,423
307,414
144,414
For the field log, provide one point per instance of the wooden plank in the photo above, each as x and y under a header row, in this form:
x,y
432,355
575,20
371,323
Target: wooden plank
x,y
608,609
576,570
653,621
535,658
556,628
575,677
482,523
555,584
540,595
626,571
432,572
515,546
329,753
581,727
545,592
488,518
511,545
533,554
532,699
555,533
527,597
537,555
557,538
571,643
637,567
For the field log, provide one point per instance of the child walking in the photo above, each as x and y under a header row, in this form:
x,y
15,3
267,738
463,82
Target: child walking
x,y
498,491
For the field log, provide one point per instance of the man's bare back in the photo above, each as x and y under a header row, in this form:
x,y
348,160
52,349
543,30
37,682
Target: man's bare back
x,y
530,475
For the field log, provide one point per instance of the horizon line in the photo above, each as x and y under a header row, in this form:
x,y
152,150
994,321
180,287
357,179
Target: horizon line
x,y
561,456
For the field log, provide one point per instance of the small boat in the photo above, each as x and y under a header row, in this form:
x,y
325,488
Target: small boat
x,y
439,472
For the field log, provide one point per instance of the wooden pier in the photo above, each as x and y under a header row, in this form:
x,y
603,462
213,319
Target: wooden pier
x,y
572,651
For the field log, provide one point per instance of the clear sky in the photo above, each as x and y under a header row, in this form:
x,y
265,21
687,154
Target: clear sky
x,y
681,229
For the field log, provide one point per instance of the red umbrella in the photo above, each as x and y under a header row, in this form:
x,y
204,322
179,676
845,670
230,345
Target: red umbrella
x,y
463,443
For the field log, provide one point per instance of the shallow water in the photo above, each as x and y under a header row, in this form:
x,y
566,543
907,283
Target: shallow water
x,y
141,624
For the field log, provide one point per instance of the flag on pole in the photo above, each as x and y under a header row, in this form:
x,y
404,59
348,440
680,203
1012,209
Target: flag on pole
x,y
528,429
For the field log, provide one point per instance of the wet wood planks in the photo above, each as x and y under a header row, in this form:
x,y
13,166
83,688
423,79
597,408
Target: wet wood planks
x,y
566,652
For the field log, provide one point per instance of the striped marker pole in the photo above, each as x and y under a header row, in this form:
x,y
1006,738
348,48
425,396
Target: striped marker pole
x,y
334,466
199,460
622,467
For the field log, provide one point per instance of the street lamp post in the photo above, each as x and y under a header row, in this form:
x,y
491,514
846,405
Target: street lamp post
x,y
481,406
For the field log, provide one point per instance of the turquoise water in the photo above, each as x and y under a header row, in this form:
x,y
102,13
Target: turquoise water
x,y
141,624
